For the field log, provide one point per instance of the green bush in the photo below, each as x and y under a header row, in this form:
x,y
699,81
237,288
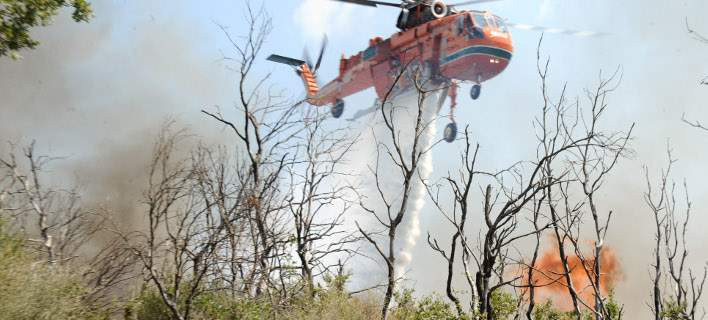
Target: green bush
x,y
546,311
147,305
32,289
672,310
504,304
428,307
329,302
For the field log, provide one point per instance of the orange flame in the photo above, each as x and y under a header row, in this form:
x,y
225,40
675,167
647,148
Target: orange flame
x,y
552,285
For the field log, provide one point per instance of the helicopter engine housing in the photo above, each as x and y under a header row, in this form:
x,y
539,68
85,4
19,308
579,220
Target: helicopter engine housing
x,y
439,9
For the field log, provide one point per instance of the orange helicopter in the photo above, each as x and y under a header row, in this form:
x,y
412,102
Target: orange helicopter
x,y
451,46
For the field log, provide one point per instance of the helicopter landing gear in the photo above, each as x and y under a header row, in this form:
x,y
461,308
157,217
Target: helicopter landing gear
x,y
475,91
450,132
337,108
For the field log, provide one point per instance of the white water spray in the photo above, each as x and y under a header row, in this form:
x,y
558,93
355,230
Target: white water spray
x,y
418,194
390,183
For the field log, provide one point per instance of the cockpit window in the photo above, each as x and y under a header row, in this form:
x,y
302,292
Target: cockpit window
x,y
491,22
501,24
479,20
460,25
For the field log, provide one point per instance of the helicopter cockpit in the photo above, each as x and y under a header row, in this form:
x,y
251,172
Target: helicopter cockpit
x,y
474,24
485,20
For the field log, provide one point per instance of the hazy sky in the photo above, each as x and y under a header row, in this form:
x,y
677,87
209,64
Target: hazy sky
x,y
97,92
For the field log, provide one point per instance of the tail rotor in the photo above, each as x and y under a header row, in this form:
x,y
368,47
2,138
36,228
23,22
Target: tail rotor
x,y
323,48
305,68
306,56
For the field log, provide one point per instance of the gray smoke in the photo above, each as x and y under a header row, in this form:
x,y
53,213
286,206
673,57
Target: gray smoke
x,y
96,95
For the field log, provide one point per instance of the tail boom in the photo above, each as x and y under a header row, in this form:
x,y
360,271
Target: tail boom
x,y
349,81
309,81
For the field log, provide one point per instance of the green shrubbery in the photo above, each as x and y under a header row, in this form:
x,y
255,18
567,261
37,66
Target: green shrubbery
x,y
330,302
546,311
430,307
32,289
673,310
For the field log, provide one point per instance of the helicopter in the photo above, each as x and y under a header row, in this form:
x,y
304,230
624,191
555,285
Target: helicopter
x,y
452,46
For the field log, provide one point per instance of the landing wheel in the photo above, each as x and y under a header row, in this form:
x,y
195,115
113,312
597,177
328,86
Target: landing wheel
x,y
337,108
475,91
450,132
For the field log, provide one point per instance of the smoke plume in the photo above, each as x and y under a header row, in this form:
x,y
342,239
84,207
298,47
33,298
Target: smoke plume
x,y
96,94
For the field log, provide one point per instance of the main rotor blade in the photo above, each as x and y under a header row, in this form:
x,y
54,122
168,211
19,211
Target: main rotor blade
x,y
306,57
370,3
575,33
322,51
464,3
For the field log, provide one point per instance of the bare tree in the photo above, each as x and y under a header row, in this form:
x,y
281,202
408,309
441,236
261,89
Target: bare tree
x,y
52,217
696,124
285,196
109,271
265,135
404,149
700,38
181,239
502,212
530,275
203,220
685,288
318,200
58,224
588,166
573,156
461,189
554,132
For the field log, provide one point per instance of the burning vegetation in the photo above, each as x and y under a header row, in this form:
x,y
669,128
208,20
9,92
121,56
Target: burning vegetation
x,y
551,284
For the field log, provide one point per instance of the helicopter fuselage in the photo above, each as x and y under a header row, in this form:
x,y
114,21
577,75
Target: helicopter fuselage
x,y
462,46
